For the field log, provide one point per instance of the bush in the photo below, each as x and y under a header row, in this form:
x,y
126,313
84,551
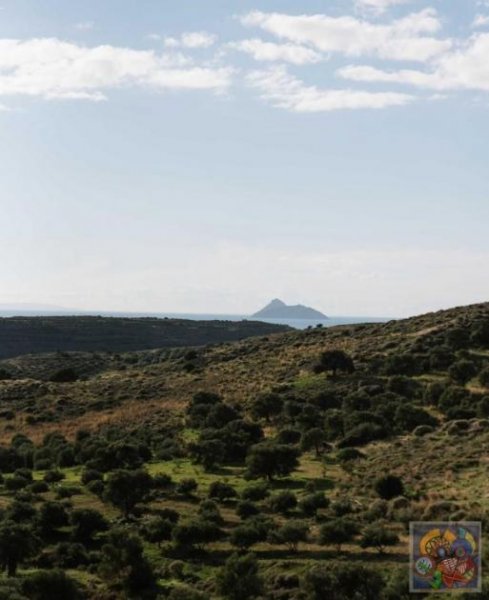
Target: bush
x,y
269,459
408,417
64,376
287,435
222,491
334,361
348,454
183,592
255,492
246,509
125,489
337,532
362,435
89,475
342,581
484,377
209,511
377,536
158,530
70,556
291,534
462,371
96,487
86,522
46,585
311,503
239,578
244,536
39,487
187,487
53,476
15,483
389,487
283,502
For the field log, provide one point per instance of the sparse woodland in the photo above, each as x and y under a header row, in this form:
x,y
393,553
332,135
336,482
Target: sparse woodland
x,y
282,467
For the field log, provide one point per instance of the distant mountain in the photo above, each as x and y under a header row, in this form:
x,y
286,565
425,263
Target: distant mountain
x,y
279,310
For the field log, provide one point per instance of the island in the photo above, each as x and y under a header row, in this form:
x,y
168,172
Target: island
x,y
277,309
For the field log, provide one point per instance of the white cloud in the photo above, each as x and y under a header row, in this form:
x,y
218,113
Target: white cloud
x,y
466,68
85,25
192,40
378,6
51,68
269,52
283,90
409,38
480,21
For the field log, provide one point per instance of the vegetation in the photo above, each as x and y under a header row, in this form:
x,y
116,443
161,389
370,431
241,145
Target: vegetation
x,y
253,474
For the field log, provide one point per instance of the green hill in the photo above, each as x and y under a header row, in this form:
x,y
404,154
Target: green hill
x,y
276,444
30,335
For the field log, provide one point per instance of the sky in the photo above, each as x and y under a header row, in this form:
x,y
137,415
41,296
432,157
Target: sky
x,y
176,156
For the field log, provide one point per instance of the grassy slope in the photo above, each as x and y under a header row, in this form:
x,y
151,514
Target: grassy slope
x,y
440,466
126,393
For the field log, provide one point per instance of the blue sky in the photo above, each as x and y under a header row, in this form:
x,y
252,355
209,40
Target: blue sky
x,y
206,157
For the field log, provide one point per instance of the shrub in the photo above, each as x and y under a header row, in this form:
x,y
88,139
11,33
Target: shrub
x,y
342,581
158,530
462,371
222,491
246,509
39,487
125,489
311,503
337,532
389,487
64,376
362,435
484,377
187,486
209,511
53,476
86,522
291,534
269,460
283,502
46,585
287,435
255,492
334,361
239,578
348,454
96,487
89,475
377,536
183,592
408,417
15,483
244,536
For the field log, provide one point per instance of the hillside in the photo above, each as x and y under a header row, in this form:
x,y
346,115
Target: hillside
x,y
31,335
410,400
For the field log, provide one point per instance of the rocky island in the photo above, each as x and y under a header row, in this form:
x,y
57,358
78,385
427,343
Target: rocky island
x,y
277,309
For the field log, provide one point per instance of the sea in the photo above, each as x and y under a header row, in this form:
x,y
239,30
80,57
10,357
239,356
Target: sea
x,y
295,323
